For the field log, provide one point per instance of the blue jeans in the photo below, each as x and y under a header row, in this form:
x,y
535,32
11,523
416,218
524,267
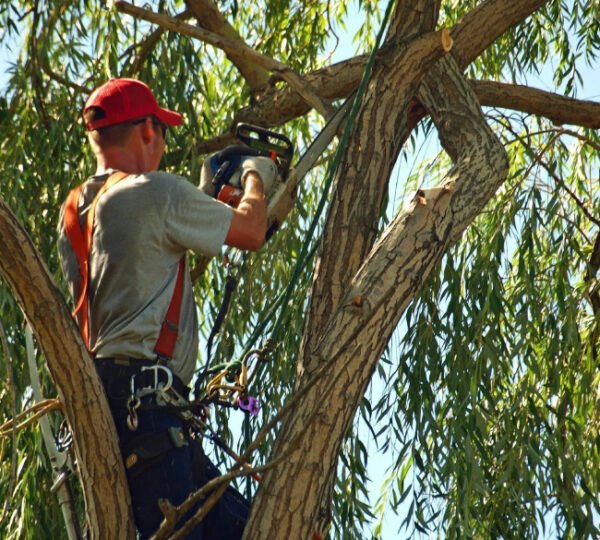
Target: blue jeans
x,y
170,477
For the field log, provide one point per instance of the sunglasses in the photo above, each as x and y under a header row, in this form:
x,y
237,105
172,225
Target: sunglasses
x,y
155,122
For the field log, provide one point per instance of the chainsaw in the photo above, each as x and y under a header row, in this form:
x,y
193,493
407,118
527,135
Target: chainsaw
x,y
257,141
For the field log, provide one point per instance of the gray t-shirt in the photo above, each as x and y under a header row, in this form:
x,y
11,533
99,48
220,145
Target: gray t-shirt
x,y
143,226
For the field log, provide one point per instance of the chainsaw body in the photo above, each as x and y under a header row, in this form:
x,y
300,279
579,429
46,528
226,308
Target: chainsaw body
x,y
257,141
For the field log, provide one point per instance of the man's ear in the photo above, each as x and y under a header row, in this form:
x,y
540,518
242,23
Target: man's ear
x,y
147,130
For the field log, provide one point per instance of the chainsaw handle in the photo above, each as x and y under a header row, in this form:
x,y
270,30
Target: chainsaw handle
x,y
265,140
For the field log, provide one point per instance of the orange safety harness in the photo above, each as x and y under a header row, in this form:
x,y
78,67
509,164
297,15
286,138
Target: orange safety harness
x,y
81,242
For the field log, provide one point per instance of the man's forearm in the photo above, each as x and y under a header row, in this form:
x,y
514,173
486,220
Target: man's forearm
x,y
249,221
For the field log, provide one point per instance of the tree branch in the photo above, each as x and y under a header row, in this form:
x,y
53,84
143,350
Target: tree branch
x,y
559,109
472,35
375,298
414,17
78,385
243,52
593,291
209,17
13,410
483,25
145,47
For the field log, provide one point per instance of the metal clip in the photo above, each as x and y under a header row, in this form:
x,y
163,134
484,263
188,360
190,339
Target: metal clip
x,y
133,404
158,385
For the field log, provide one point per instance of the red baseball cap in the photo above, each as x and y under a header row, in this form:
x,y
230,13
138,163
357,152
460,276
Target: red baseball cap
x,y
127,99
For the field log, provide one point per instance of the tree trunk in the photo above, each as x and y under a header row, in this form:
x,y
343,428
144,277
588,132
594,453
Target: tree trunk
x,y
371,303
79,389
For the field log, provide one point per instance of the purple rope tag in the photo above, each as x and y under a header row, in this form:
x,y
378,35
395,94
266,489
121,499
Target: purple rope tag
x,y
249,404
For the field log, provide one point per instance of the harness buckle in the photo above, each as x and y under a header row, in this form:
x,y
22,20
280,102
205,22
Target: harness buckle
x,y
158,386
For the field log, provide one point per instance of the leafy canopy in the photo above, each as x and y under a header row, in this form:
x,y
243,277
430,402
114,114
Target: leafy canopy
x,y
486,403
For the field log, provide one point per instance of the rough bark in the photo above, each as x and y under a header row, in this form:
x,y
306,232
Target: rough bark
x,y
379,131
483,25
373,302
340,259
338,80
409,20
79,389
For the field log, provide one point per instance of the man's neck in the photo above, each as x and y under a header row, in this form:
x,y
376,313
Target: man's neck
x,y
120,159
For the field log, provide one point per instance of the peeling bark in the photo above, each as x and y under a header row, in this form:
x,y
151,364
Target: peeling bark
x,y
98,456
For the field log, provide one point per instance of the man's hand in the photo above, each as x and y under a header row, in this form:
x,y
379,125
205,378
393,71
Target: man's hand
x,y
264,167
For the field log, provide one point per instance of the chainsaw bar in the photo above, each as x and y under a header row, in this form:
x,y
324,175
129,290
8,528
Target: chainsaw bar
x,y
321,142
284,197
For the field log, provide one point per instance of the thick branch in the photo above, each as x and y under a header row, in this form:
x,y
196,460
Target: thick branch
x,y
243,52
395,79
454,109
209,17
339,80
147,45
484,24
413,18
79,388
559,109
479,28
370,307
380,129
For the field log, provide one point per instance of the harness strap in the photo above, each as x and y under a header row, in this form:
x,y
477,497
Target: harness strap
x,y
165,346
81,243
148,448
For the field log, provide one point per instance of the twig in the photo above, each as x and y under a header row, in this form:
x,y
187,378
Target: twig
x,y
42,59
35,79
36,411
11,385
573,195
219,485
149,43
581,137
594,294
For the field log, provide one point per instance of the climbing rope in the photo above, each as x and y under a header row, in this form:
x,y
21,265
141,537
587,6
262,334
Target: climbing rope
x,y
222,385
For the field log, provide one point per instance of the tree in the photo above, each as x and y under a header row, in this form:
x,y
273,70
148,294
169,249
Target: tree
x,y
488,269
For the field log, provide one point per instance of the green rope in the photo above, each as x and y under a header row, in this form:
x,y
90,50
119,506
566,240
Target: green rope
x,y
305,256
309,248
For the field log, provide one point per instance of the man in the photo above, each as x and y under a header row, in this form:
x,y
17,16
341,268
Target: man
x,y
123,236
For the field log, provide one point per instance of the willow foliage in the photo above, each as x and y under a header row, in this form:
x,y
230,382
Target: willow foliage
x,y
486,404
